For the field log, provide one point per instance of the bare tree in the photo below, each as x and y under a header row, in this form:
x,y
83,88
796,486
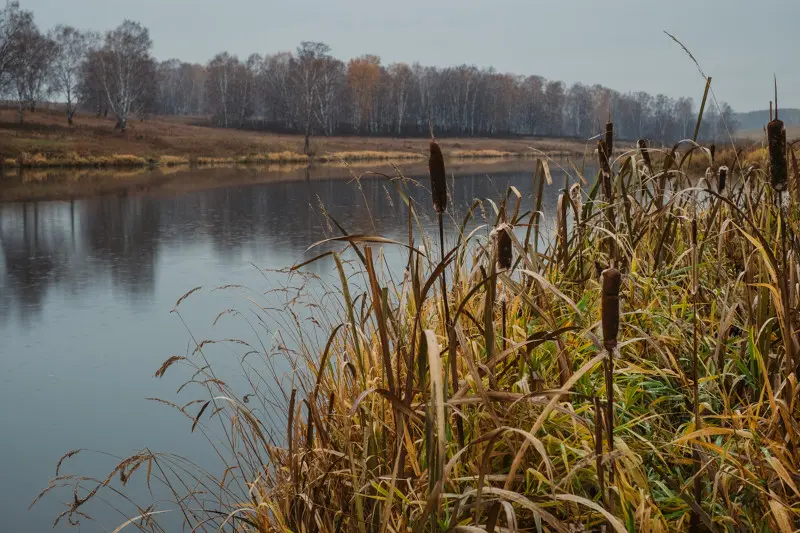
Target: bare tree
x,y
308,70
13,20
220,86
33,55
127,72
71,49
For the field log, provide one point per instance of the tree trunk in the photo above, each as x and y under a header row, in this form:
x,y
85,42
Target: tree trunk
x,y
70,114
20,113
307,146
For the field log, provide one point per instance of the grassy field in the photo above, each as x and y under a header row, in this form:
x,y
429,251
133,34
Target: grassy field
x,y
637,373
45,140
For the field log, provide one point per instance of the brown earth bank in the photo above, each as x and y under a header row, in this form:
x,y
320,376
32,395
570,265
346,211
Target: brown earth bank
x,y
45,140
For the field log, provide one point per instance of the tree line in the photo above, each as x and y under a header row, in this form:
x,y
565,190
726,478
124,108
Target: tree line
x,y
310,91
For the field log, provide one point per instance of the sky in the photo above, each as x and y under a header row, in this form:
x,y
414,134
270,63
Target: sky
x,y
618,43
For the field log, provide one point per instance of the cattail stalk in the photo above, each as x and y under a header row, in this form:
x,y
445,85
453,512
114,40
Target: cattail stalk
x,y
505,257
439,193
561,217
608,193
611,282
577,208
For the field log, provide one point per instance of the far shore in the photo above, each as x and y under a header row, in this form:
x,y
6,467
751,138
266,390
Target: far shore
x,y
70,184
44,140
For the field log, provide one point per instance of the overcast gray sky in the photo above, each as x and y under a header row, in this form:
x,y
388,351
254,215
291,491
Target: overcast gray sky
x,y
740,43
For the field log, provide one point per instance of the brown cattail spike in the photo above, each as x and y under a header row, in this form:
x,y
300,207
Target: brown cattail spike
x,y
505,253
609,140
722,176
602,155
612,280
713,150
642,144
776,137
438,178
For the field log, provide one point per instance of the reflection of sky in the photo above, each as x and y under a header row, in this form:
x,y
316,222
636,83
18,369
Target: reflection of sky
x,y
86,288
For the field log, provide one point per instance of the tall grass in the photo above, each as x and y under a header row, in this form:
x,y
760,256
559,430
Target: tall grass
x,y
688,322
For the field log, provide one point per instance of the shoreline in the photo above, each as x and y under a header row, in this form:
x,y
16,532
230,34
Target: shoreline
x,y
63,184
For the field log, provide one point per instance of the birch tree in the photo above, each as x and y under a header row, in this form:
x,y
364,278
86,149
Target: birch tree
x,y
71,50
127,72
33,55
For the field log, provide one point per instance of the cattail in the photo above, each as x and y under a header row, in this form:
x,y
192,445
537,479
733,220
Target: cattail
x,y
609,140
602,154
722,176
642,144
612,280
562,228
776,137
713,150
577,201
505,253
438,178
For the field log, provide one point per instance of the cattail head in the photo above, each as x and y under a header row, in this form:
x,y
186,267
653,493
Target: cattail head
x,y
505,252
438,178
611,280
577,201
609,140
713,151
722,176
776,138
602,155
642,144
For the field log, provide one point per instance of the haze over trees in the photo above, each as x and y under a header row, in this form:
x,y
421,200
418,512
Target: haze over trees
x,y
311,92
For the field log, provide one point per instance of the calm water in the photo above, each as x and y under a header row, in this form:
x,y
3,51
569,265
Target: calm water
x,y
86,289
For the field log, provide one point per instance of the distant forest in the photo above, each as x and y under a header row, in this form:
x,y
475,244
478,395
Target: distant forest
x,y
311,91
756,120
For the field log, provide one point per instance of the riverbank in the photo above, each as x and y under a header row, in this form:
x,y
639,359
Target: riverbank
x,y
45,140
61,184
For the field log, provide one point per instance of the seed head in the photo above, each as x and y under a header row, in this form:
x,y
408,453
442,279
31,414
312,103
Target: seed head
x,y
602,155
612,280
609,140
722,176
438,178
577,201
776,137
505,252
642,144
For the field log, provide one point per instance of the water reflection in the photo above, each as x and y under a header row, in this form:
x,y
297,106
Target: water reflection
x,y
116,240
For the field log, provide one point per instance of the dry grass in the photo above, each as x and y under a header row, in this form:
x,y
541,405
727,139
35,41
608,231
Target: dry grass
x,y
46,135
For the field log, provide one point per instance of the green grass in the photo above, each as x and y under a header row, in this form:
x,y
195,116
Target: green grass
x,y
369,426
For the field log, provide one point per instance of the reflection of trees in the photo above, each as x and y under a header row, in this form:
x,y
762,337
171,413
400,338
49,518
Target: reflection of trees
x,y
34,247
122,233
117,239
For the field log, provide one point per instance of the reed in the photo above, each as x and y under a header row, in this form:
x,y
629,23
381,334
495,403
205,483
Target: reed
x,y
360,430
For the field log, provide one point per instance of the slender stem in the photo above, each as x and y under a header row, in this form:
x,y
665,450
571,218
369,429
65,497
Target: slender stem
x,y
598,446
504,310
610,411
450,330
695,519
